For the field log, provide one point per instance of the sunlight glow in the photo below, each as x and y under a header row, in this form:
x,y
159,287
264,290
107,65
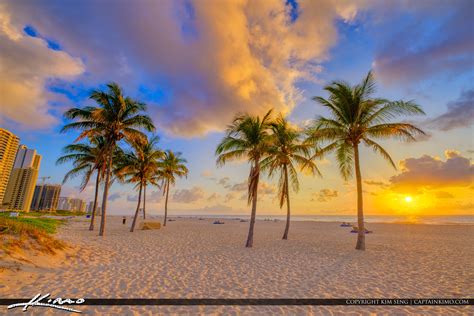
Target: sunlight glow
x,y
408,199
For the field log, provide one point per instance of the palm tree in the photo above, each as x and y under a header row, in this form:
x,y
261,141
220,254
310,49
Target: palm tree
x,y
171,165
357,117
140,166
151,156
86,159
247,137
115,118
287,151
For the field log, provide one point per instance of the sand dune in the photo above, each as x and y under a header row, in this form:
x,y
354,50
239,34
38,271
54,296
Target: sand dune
x,y
192,258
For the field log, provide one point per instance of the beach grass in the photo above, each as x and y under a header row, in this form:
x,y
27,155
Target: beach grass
x,y
29,233
41,214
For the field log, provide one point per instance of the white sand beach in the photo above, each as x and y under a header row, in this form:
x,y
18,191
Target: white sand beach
x,y
193,258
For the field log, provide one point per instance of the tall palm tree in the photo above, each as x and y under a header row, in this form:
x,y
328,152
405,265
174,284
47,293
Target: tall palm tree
x,y
172,165
285,152
115,118
140,166
355,117
247,137
86,159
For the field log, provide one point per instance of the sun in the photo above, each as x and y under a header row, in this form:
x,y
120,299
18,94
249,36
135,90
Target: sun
x,y
408,199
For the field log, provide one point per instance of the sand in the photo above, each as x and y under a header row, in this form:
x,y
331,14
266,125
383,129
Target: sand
x,y
192,258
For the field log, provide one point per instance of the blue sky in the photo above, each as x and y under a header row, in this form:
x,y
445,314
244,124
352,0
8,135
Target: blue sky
x,y
197,64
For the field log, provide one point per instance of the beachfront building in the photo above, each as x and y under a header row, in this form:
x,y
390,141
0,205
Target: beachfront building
x,y
90,208
8,147
46,197
21,184
71,204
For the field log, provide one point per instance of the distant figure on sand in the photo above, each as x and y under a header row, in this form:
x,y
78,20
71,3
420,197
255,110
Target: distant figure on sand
x,y
124,220
344,224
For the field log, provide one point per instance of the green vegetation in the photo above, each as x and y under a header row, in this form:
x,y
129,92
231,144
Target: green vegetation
x,y
140,167
18,225
357,117
28,232
286,152
118,119
248,137
40,214
172,165
87,159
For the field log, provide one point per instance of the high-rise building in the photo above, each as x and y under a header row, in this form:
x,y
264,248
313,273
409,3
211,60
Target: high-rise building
x,y
8,148
90,208
70,204
46,197
21,184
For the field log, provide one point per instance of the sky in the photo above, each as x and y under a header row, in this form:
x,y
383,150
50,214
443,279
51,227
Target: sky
x,y
198,63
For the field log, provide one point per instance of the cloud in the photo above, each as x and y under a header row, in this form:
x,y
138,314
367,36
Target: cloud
x,y
324,195
217,209
26,65
206,173
132,198
266,188
188,195
263,187
114,196
443,195
213,197
460,113
418,48
432,172
154,196
224,182
208,61
229,197
376,183
151,197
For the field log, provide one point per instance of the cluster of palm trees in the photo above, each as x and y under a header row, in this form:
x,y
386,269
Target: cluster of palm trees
x,y
105,129
271,145
274,146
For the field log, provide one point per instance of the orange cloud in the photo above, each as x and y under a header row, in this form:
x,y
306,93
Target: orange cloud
x,y
26,63
432,172
214,60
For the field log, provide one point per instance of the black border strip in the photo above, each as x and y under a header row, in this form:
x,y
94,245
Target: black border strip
x,y
260,301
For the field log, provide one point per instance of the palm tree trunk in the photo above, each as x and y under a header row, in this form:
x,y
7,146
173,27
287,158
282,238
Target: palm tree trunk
x,y
166,201
256,174
360,212
97,182
106,192
138,208
144,200
287,191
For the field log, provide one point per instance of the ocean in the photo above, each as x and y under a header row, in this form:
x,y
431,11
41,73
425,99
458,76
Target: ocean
x,y
411,219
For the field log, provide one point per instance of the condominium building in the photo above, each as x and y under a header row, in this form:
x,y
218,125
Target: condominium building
x,y
70,204
21,185
8,148
90,208
46,197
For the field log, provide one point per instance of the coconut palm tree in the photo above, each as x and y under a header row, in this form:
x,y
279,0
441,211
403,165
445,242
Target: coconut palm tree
x,y
286,152
248,137
172,165
140,166
116,118
86,159
356,116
